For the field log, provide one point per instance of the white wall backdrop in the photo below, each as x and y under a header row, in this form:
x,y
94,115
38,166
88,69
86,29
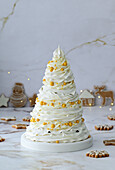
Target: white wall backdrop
x,y
30,30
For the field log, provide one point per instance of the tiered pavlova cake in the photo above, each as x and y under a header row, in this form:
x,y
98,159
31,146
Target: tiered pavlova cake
x,y
57,124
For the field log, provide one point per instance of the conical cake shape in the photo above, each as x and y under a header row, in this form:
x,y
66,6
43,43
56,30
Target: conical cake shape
x,y
57,116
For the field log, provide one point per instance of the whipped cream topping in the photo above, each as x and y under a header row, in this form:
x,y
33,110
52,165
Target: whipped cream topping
x,y
57,115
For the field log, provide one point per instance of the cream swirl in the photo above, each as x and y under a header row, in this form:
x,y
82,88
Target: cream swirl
x,y
57,116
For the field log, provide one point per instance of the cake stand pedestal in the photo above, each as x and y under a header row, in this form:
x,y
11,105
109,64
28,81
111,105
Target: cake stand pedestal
x,y
56,147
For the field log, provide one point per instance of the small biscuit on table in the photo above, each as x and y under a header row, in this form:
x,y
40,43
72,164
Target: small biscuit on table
x,y
9,118
111,117
1,139
97,154
109,142
104,127
20,126
26,119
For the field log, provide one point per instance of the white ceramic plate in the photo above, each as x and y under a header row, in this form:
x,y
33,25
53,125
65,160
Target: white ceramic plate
x,y
56,147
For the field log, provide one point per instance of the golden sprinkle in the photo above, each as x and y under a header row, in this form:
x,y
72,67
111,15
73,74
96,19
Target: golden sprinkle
x,y
41,103
63,105
52,126
44,123
51,69
62,69
72,103
57,129
57,141
70,124
52,104
66,124
48,129
59,103
83,119
77,121
79,101
53,100
51,61
65,63
54,64
48,62
59,126
48,104
44,79
56,68
37,120
51,83
37,99
56,83
32,119
48,122
64,83
56,61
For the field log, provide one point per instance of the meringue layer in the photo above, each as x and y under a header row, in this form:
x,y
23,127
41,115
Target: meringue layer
x,y
57,115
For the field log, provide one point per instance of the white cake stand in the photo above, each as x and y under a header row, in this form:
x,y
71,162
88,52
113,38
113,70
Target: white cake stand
x,y
56,147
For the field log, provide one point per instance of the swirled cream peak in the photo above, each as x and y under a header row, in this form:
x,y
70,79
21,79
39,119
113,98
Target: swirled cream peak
x,y
58,74
57,116
58,53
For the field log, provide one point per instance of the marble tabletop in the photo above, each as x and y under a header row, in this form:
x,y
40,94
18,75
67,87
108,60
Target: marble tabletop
x,y
14,156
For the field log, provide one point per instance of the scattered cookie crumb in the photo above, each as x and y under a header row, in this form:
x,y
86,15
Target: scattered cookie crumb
x,y
20,126
2,139
104,127
97,154
9,118
109,142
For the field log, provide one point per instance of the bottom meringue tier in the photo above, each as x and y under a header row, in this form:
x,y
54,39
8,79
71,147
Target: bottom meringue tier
x,y
53,147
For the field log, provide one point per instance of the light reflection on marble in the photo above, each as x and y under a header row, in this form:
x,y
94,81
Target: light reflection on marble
x,y
18,157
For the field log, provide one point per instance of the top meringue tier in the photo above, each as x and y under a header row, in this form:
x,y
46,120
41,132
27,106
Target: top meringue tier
x,y
58,75
57,116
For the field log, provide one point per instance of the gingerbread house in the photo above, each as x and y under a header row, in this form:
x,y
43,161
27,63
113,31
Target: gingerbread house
x,y
87,98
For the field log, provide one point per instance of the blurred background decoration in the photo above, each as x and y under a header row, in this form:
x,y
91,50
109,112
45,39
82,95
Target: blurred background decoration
x,y
31,30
